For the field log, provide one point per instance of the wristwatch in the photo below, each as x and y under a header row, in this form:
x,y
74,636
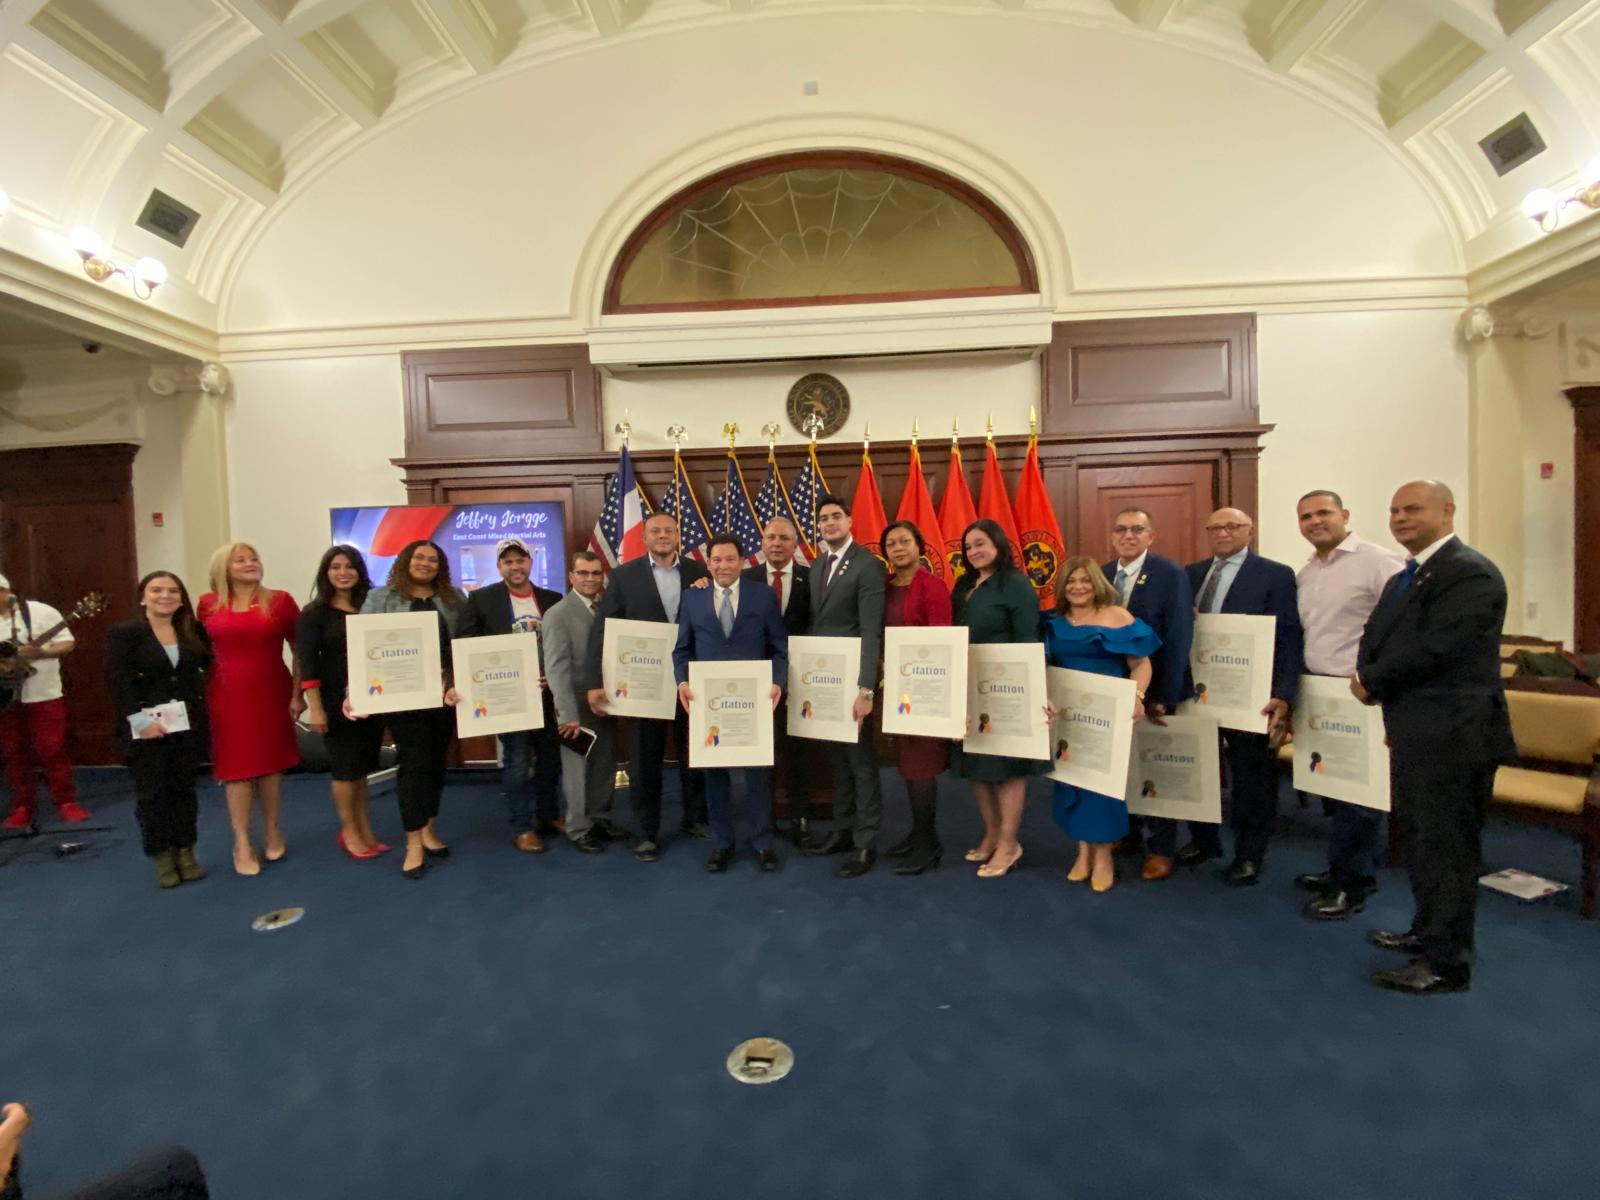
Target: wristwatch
x,y
866,693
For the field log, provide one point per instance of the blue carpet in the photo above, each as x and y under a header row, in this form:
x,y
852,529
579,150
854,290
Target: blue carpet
x,y
555,1026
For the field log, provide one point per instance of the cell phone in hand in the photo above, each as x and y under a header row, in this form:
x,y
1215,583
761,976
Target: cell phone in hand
x,y
585,740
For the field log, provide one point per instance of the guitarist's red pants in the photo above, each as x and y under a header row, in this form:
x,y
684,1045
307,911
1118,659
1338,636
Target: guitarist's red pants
x,y
33,734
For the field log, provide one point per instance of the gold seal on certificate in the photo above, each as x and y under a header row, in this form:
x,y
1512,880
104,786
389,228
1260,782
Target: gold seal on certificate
x,y
1005,701
1173,770
925,680
1231,659
636,668
730,717
1093,731
822,687
1338,744
497,679
393,662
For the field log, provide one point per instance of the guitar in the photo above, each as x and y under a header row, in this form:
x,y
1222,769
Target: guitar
x,y
16,670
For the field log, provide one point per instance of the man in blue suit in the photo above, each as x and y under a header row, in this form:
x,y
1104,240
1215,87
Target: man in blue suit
x,y
1156,590
1235,579
733,620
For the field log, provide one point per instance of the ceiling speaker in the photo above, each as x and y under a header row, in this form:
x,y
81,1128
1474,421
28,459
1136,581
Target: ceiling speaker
x,y
1513,144
170,220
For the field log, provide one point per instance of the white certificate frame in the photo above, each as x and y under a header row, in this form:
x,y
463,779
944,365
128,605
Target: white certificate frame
x,y
1186,737
522,651
1324,708
981,658
619,633
709,681
1209,628
804,655
418,628
901,647
1087,701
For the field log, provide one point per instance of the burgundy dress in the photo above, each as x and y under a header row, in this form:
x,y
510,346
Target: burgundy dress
x,y
248,689
922,602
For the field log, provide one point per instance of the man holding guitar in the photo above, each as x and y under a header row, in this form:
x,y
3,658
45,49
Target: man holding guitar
x,y
33,715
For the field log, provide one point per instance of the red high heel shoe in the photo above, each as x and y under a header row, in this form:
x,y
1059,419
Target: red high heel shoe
x,y
370,852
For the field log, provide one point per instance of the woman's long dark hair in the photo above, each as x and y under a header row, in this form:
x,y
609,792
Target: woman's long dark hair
x,y
400,574
1004,558
323,592
183,621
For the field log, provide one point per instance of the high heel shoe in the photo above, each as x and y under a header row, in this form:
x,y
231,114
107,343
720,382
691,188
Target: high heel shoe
x,y
344,844
381,847
416,872
1097,886
990,871
436,851
978,854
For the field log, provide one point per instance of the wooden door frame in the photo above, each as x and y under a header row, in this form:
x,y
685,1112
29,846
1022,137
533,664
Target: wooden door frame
x,y
1585,502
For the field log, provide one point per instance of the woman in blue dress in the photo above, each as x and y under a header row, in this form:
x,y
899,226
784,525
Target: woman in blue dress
x,y
1092,632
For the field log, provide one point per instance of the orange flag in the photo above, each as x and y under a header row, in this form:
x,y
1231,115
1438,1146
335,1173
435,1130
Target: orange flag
x,y
1042,546
916,506
866,509
955,513
993,501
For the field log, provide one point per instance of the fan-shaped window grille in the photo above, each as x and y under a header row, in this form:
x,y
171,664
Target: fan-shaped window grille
x,y
819,229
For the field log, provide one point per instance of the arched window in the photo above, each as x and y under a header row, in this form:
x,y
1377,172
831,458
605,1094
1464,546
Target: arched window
x,y
821,227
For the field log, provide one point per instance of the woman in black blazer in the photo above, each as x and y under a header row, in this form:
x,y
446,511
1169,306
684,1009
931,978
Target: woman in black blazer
x,y
154,659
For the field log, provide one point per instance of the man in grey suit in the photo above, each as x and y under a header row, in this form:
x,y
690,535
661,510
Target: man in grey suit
x,y
847,595
588,782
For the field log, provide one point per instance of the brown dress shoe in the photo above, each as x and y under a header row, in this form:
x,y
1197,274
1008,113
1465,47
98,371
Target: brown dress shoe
x,y
530,843
1156,866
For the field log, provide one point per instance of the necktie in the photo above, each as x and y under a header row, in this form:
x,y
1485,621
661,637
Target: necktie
x,y
1122,584
727,612
1208,590
1407,574
777,587
827,568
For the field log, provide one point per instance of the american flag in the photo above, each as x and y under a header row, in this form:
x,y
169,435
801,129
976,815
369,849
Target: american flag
x,y
619,533
808,485
733,513
680,502
773,501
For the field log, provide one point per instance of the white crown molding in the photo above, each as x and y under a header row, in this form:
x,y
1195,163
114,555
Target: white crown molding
x,y
1570,246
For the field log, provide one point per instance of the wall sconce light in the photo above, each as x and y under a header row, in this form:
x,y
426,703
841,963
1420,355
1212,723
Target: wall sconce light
x,y
1543,206
144,277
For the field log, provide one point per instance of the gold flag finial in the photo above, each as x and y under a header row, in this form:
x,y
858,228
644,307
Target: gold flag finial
x,y
676,432
772,429
955,432
914,424
866,438
989,429
1033,422
730,431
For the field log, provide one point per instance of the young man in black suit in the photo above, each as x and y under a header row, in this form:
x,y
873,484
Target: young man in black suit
x,y
1430,655
1156,590
1235,579
790,582
530,758
649,589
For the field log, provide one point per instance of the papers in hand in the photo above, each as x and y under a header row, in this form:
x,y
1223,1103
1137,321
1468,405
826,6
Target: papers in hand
x,y
173,717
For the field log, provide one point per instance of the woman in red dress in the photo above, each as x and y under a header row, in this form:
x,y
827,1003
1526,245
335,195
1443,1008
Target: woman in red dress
x,y
915,597
252,697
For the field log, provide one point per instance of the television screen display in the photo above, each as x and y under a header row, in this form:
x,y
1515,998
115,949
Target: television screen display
x,y
468,534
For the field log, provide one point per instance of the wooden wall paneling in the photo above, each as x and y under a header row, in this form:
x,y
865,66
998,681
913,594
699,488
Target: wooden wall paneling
x,y
1179,497
1586,515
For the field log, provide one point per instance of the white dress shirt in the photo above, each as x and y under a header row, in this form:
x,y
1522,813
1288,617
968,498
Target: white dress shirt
x,y
1336,596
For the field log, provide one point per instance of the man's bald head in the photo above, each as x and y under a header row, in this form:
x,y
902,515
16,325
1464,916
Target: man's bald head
x,y
1422,513
1228,530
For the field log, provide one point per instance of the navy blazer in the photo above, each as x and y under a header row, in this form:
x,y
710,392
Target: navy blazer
x,y
1431,656
797,617
1264,588
631,594
758,631
1163,600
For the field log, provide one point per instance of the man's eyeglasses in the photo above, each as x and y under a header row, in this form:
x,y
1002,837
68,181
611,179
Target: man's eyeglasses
x,y
1135,529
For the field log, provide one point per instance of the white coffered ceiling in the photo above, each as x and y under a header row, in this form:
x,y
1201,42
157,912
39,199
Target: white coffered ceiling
x,y
225,103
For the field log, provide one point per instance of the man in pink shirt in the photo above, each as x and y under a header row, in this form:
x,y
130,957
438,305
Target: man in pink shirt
x,y
1338,588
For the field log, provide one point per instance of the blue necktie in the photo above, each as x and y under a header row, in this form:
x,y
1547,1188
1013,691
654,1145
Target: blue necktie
x,y
1407,575
727,612
1122,585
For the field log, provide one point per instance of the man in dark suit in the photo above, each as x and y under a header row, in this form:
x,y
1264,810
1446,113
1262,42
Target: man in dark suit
x,y
1430,655
1235,579
650,589
1156,590
790,582
734,620
847,596
530,758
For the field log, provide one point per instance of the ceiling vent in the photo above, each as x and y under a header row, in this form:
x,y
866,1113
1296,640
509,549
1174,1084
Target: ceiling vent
x,y
170,220
1513,144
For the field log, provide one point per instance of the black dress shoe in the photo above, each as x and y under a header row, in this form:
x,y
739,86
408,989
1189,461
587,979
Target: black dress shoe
x,y
441,852
858,864
696,829
1405,943
1336,905
647,850
592,842
903,847
1319,882
719,860
768,859
1419,978
610,831
416,872
1243,873
836,842
1194,853
923,856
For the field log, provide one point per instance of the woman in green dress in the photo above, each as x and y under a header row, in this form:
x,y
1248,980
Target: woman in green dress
x,y
996,603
